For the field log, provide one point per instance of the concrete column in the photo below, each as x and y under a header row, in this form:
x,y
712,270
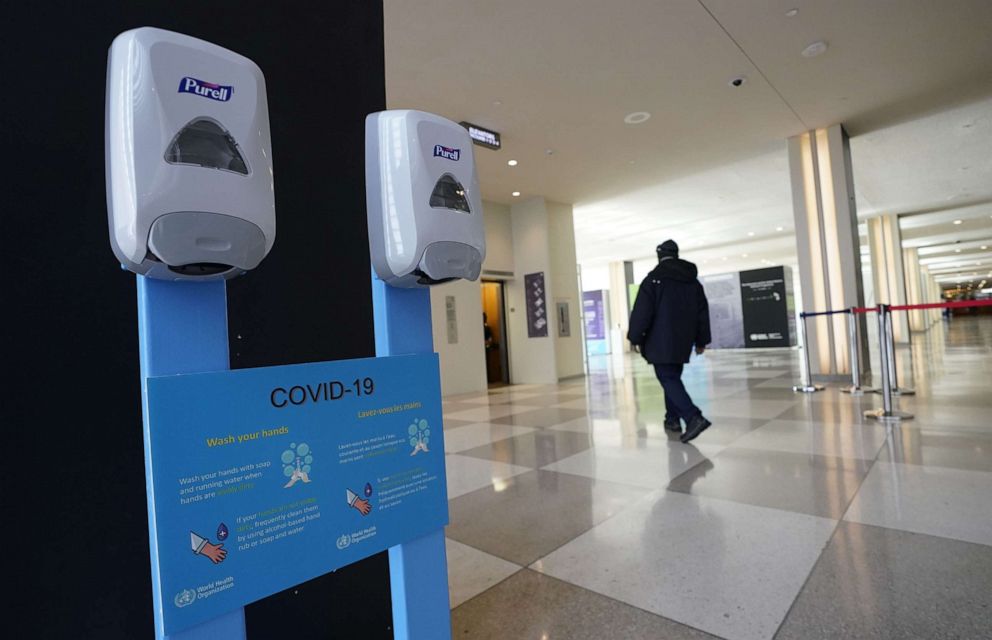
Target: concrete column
x,y
827,243
916,292
885,241
621,275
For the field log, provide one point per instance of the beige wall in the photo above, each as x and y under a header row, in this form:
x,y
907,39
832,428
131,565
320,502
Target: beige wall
x,y
499,239
529,237
463,364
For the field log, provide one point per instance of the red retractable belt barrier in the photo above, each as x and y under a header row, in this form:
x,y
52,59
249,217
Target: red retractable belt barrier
x,y
960,304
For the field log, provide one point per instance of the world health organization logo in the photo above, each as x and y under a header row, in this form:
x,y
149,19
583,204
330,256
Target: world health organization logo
x,y
344,542
185,598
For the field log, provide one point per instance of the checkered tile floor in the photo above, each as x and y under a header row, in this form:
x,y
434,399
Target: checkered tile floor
x,y
574,515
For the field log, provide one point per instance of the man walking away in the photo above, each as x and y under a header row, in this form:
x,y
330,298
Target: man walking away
x,y
670,316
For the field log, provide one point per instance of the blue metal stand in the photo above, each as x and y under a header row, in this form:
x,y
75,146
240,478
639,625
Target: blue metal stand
x,y
182,328
418,570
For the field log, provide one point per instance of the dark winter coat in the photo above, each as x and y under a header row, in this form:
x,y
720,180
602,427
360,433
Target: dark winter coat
x,y
670,314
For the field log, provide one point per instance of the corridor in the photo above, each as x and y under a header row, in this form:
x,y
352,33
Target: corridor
x,y
574,515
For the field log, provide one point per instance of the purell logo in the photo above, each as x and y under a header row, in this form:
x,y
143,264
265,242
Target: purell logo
x,y
220,93
447,152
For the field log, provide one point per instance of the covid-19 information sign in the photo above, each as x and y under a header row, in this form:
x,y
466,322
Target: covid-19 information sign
x,y
264,478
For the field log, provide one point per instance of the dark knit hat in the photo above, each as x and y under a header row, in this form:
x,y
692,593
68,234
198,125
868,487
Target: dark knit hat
x,y
668,249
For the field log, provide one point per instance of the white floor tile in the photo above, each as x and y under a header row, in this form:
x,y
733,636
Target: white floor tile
x,y
470,571
640,462
951,503
488,412
726,568
467,474
475,435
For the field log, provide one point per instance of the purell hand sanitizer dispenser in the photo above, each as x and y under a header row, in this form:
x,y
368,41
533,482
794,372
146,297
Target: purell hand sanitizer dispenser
x,y
189,160
424,205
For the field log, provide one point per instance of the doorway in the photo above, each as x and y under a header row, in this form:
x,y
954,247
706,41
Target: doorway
x,y
494,314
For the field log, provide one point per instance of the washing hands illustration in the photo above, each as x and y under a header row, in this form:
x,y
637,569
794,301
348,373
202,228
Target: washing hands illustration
x,y
363,506
298,475
203,547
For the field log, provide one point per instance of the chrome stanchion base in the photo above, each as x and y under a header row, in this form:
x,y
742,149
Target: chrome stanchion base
x,y
813,388
858,391
902,391
891,416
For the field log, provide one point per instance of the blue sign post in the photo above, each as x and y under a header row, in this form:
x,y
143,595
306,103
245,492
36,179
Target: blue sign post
x,y
182,327
418,569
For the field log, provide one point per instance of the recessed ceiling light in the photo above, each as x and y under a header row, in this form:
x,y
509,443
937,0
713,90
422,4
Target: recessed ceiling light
x,y
750,234
549,152
636,117
792,13
512,163
814,49
957,251
497,103
957,222
515,194
743,255
984,247
738,81
779,228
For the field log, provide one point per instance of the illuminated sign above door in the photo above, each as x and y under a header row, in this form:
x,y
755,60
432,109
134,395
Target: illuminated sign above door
x,y
483,137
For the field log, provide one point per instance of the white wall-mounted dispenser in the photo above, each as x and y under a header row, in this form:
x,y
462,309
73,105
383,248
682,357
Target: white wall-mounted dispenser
x,y
424,205
189,159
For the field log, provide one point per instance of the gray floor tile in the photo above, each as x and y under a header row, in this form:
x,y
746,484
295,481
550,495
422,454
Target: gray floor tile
x,y
873,582
937,448
534,606
455,407
529,515
816,485
540,418
534,450
487,413
452,423
937,501
796,436
846,410
743,407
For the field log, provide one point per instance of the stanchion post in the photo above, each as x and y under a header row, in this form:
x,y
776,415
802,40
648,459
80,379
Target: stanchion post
x,y
890,346
806,385
886,413
852,332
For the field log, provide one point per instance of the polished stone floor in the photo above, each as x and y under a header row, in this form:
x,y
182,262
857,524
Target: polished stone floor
x,y
575,516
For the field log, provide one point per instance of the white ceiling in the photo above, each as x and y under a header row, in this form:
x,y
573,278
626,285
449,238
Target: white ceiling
x,y
910,79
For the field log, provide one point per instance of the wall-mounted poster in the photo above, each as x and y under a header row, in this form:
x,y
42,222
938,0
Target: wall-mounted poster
x,y
726,313
537,308
593,313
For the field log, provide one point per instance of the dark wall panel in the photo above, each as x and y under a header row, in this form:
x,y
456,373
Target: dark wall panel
x,y
71,402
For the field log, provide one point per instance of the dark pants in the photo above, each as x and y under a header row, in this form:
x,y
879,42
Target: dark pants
x,y
678,404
